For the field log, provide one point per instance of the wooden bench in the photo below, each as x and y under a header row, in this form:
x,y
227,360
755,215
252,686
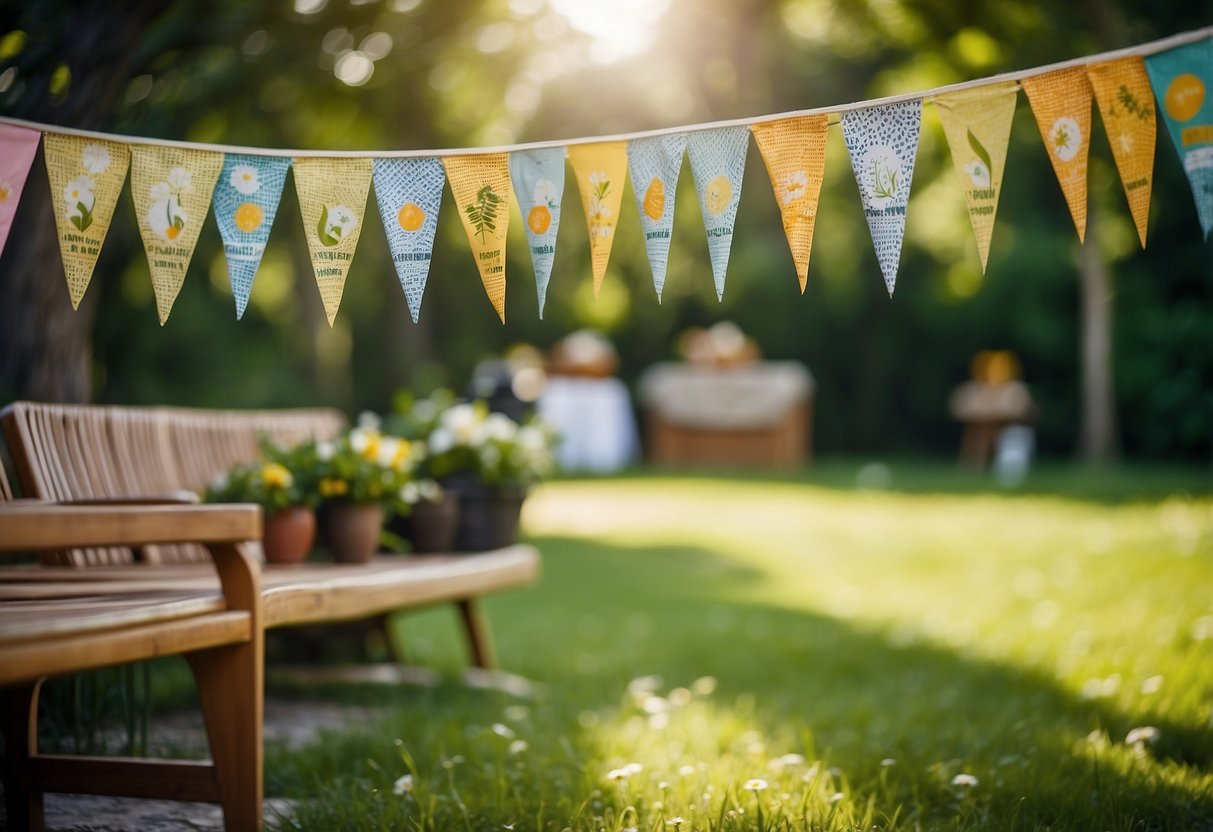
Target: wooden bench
x,y
217,626
90,452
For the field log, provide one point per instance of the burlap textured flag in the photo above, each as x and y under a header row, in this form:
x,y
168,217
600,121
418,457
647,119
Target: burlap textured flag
x,y
172,189
1183,84
538,177
883,142
1122,91
654,164
794,150
332,199
1061,102
481,187
600,170
718,165
245,204
86,176
977,123
17,149
409,192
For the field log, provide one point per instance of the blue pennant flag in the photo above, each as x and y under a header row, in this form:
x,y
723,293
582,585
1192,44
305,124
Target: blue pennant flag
x,y
245,202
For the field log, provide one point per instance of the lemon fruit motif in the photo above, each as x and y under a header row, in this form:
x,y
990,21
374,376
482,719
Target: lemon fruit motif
x,y
718,194
248,217
654,199
1184,97
539,219
411,216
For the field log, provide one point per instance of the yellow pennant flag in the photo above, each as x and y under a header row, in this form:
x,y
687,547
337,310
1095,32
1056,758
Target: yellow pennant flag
x,y
482,190
332,199
1061,102
1126,104
977,123
600,169
794,150
86,176
172,189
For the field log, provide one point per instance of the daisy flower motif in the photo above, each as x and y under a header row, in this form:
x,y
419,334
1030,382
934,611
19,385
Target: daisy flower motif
x,y
978,173
245,179
545,193
403,784
755,785
1065,138
95,158
793,186
966,781
179,181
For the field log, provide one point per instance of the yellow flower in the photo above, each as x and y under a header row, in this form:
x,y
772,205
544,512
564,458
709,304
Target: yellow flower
x,y
402,454
276,476
330,487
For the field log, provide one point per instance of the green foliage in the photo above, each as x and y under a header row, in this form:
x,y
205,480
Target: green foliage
x,y
274,484
980,150
483,212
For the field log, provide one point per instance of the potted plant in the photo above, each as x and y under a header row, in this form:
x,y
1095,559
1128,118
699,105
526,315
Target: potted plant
x,y
290,522
487,459
355,477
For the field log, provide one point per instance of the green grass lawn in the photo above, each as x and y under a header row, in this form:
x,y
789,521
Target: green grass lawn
x,y
941,655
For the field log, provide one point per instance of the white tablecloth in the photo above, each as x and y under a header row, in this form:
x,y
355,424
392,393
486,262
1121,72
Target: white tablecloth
x,y
594,419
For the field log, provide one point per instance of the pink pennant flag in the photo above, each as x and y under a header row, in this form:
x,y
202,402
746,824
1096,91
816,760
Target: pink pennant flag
x,y
17,148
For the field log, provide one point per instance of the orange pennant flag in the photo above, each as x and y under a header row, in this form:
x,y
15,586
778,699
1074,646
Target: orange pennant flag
x,y
794,150
86,176
482,190
1126,104
172,189
600,170
1061,102
332,199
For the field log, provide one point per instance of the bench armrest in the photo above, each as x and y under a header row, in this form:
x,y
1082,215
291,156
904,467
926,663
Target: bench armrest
x,y
37,526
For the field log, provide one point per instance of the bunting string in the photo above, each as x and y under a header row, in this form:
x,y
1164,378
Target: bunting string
x,y
172,182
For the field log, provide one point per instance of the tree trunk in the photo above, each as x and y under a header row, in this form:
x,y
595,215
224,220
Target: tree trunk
x,y
45,349
1098,438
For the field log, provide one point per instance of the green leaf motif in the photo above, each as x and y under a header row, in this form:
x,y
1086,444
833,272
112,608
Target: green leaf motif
x,y
483,212
322,229
84,220
981,152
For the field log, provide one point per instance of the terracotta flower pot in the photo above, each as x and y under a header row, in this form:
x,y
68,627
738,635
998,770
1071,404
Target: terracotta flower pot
x,y
289,534
350,531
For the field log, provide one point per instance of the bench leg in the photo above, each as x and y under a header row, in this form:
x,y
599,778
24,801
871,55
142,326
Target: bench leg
x,y
23,800
477,630
232,691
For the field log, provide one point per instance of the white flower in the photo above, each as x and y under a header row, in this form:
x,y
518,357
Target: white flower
x,y
686,771
179,180
159,192
78,191
679,697
432,492
441,441
389,448
704,686
633,768
95,158
360,439
500,427
341,219
978,173
403,784
166,218
518,746
792,759
245,180
616,774
793,186
532,438
409,494
545,193
503,731
1146,734
675,822
755,785
644,684
369,419
1065,138
967,781
597,178
836,796
325,451
887,761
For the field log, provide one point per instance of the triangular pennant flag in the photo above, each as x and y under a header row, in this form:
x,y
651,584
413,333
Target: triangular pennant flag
x,y
718,165
245,204
172,189
794,150
654,164
539,185
1183,84
1061,102
481,187
86,176
600,170
1122,91
332,199
977,123
409,193
17,149
883,142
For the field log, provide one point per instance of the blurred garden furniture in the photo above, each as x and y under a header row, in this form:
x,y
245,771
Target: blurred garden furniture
x,y
588,406
993,400
726,407
50,628
81,452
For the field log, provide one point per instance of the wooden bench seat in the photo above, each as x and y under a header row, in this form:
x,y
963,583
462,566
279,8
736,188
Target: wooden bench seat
x,y
217,626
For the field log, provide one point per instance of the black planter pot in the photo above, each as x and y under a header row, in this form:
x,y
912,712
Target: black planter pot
x,y
430,526
488,515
